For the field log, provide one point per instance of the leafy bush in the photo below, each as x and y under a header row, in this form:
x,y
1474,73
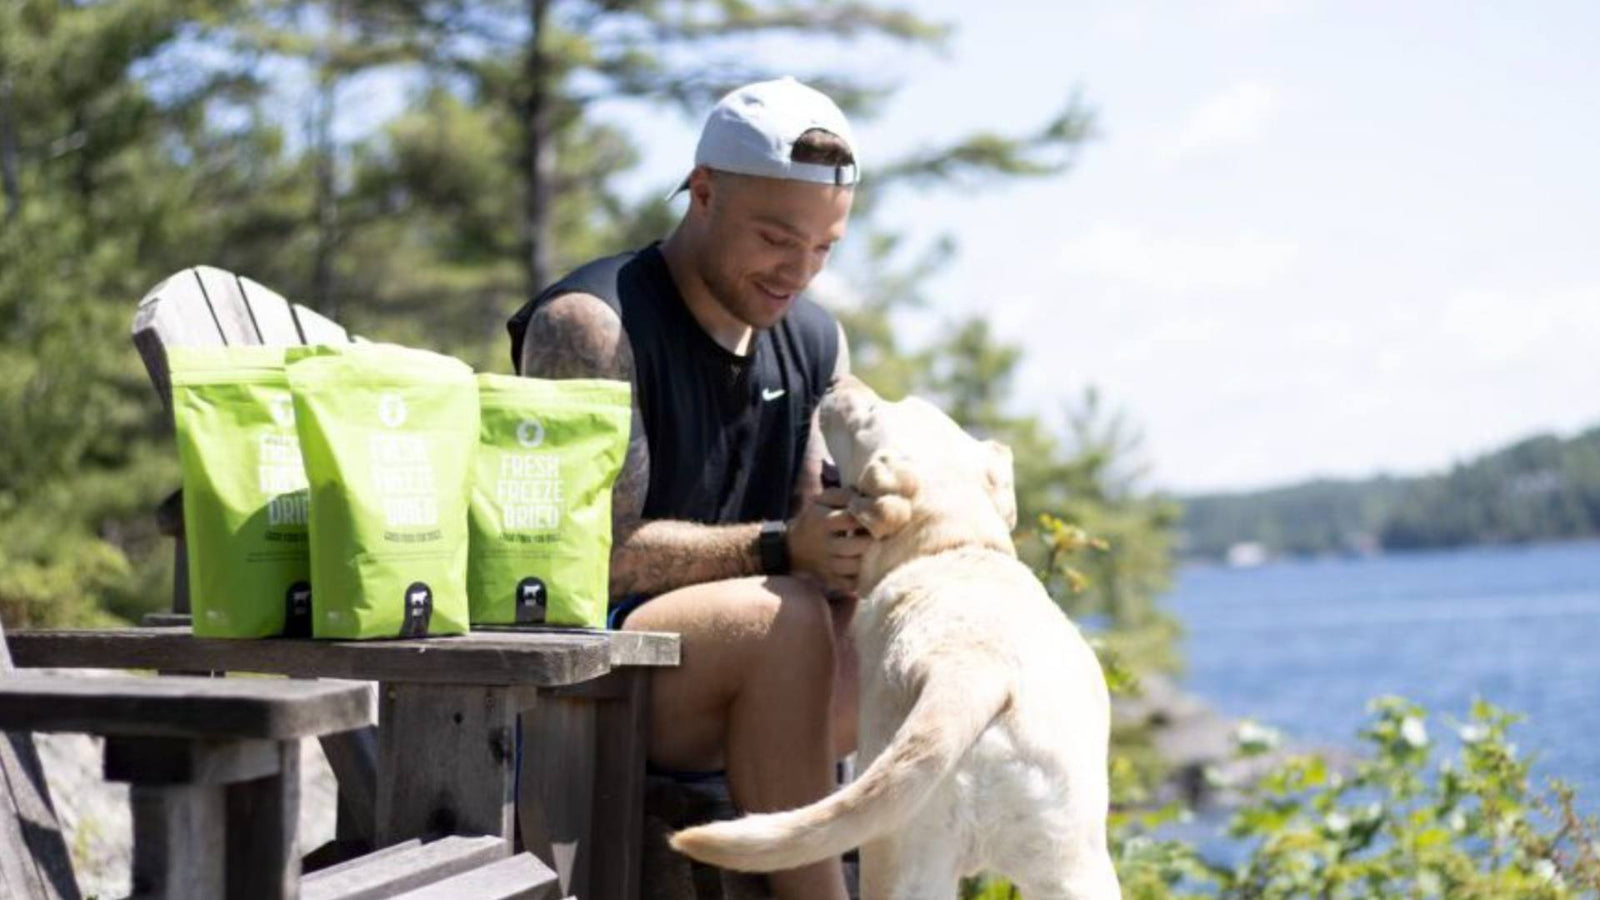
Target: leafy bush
x,y
1411,820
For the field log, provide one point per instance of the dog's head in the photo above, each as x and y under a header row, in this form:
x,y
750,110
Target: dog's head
x,y
907,459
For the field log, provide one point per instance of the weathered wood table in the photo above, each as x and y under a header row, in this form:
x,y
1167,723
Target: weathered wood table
x,y
448,711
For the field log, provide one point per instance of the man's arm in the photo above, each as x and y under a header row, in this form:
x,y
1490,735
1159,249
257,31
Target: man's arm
x,y
579,336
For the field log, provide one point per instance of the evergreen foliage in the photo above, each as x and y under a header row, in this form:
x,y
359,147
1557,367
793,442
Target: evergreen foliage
x,y
1539,488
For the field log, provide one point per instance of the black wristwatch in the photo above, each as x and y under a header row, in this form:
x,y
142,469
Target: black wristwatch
x,y
774,547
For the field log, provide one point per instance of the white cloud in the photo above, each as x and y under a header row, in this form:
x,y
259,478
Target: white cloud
x,y
1233,118
1259,9
1254,358
1283,380
1174,263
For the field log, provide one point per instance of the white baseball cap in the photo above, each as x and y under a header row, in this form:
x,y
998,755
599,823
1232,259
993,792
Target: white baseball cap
x,y
752,131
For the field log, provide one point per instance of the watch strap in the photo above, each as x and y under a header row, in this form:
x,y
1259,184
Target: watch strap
x,y
773,547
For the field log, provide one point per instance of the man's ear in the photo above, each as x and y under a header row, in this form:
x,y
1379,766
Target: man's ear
x,y
881,501
1000,482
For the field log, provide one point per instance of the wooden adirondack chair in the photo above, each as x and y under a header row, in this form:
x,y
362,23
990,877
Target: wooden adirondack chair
x,y
213,766
206,306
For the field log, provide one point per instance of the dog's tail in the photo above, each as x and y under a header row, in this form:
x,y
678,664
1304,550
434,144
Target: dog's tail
x,y
949,715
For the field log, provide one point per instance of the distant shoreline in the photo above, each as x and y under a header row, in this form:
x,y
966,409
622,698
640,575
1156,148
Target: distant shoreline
x,y
1213,562
1541,489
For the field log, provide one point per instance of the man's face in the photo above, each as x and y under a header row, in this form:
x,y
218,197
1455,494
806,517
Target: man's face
x,y
766,238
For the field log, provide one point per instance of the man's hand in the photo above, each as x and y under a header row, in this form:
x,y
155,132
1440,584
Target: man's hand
x,y
827,542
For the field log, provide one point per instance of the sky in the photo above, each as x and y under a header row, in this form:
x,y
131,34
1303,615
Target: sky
x,y
1310,239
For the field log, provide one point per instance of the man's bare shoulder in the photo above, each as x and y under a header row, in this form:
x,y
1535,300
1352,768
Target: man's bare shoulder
x,y
576,335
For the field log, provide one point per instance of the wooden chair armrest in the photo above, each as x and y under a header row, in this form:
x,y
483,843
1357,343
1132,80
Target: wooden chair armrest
x,y
180,707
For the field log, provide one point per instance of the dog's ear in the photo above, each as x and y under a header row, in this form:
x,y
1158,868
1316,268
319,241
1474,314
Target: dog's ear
x,y
881,501
1000,482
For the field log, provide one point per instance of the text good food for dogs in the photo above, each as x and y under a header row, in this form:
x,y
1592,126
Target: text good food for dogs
x,y
548,455
388,435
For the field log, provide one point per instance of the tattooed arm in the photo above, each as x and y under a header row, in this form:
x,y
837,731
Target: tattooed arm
x,y
579,336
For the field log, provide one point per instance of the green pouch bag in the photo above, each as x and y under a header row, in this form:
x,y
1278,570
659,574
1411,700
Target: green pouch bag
x,y
244,492
548,454
388,435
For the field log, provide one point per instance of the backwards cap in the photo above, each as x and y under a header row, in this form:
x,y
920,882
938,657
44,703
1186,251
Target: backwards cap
x,y
752,131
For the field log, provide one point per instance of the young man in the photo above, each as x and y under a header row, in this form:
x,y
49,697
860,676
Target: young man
x,y
722,530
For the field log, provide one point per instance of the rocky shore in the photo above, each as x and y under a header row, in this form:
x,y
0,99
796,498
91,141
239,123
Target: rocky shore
x,y
1201,744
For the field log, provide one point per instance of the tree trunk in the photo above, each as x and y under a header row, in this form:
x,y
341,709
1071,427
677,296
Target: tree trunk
x,y
9,184
322,292
538,152
323,150
83,172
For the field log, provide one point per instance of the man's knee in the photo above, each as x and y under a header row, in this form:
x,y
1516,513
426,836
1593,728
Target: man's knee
x,y
799,613
745,612
783,622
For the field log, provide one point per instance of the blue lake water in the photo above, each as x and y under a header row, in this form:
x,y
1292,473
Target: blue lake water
x,y
1303,645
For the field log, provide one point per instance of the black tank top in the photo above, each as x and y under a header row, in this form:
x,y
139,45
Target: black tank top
x,y
727,433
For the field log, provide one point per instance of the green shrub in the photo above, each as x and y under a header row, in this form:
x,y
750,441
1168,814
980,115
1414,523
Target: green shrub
x,y
1410,820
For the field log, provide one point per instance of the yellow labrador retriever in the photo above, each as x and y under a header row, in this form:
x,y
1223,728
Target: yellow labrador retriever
x,y
983,711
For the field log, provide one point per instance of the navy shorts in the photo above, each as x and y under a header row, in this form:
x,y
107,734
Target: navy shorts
x,y
619,613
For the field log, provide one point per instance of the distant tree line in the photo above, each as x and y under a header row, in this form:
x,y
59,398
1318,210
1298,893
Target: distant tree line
x,y
1540,488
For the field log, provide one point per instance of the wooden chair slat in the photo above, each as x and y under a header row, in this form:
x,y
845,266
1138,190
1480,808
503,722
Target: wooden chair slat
x,y
319,329
273,319
384,873
222,292
34,861
520,877
175,312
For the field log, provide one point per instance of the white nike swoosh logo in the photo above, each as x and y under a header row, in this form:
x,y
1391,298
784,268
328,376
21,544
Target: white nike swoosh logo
x,y
770,394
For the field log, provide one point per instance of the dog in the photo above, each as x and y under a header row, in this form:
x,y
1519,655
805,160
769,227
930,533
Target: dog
x,y
983,712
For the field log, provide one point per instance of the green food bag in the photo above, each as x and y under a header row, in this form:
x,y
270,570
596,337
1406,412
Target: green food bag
x,y
244,492
388,435
548,455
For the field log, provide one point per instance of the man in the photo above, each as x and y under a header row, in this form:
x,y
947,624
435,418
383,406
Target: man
x,y
722,530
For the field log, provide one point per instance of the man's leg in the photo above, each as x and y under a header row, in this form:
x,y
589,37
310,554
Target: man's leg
x,y
754,695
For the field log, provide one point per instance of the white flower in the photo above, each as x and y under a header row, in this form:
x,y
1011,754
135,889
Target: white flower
x,y
1253,737
1472,732
1413,732
1337,822
1545,871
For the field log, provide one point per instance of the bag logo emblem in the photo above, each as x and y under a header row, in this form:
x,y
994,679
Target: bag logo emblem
x,y
392,410
282,409
530,600
530,433
297,610
418,610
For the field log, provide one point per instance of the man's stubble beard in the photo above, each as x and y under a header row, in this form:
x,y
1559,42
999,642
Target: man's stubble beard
x,y
725,291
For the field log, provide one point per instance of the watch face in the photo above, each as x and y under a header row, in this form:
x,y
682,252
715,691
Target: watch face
x,y
774,548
